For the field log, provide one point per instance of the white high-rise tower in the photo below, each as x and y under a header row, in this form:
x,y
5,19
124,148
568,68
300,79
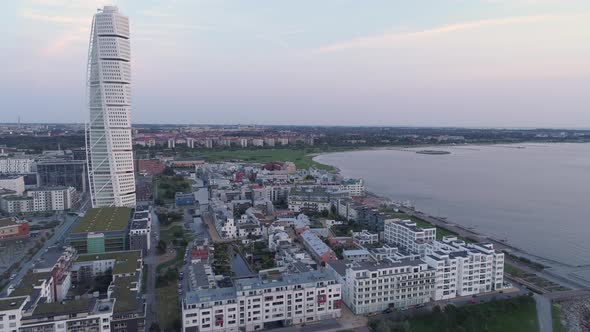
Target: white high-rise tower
x,y
108,134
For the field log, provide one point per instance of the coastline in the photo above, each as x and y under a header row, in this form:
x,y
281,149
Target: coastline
x,y
574,276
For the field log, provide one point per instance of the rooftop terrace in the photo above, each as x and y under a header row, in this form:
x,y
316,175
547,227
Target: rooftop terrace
x,y
106,219
126,261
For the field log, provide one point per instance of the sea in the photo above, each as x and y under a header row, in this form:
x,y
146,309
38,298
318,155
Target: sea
x,y
535,197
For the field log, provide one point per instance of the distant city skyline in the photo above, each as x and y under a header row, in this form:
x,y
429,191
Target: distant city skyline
x,y
500,63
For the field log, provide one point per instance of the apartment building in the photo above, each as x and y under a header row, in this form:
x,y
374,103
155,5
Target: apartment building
x,y
371,286
317,248
364,237
15,183
407,235
17,165
355,187
53,198
464,269
40,200
11,312
263,302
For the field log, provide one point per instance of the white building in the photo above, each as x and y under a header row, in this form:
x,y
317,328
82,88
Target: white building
x,y
355,187
357,255
17,165
110,157
53,198
407,235
15,183
370,287
255,303
464,269
11,309
40,200
364,237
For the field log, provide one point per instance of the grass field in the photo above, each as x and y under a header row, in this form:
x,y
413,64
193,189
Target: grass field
x,y
556,316
507,315
168,311
301,157
513,270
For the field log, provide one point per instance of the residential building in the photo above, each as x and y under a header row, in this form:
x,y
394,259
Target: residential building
x,y
266,301
15,183
53,198
140,230
408,236
464,269
17,165
364,238
11,309
357,255
313,199
371,287
317,248
354,186
108,133
12,228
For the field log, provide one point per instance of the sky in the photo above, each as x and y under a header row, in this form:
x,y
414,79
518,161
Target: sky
x,y
475,63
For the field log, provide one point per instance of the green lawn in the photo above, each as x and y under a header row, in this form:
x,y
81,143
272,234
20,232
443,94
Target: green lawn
x,y
517,314
168,308
513,270
301,157
556,316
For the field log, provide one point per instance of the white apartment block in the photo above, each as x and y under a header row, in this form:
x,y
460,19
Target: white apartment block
x,y
108,133
257,303
407,235
355,187
40,200
53,198
15,183
370,286
364,237
11,312
17,165
464,269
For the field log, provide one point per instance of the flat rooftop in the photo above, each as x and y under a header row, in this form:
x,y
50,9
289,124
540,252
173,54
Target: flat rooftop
x,y
126,261
12,303
106,219
7,222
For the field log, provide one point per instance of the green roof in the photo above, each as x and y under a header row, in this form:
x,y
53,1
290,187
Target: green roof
x,y
104,219
29,281
126,299
12,303
126,261
80,305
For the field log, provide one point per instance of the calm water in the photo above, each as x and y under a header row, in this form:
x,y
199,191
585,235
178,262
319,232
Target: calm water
x,y
537,198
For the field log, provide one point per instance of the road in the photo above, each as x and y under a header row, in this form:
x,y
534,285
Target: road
x,y
150,294
58,237
544,313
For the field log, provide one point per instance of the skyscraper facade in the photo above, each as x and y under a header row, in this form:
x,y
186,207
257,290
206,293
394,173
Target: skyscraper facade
x,y
108,133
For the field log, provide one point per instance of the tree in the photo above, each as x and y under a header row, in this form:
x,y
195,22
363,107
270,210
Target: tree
x,y
161,247
155,327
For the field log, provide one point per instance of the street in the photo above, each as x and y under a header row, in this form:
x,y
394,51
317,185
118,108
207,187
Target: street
x,y
58,238
150,260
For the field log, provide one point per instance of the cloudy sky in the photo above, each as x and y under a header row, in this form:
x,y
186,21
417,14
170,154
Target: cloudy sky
x,y
510,63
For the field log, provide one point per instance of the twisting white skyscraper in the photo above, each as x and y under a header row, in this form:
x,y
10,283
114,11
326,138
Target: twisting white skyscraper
x,y
108,133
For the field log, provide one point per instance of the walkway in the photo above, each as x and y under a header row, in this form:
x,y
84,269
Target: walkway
x,y
544,313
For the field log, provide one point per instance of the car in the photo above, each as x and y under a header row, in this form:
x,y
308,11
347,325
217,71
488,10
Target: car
x,y
387,311
404,309
13,276
472,302
421,305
